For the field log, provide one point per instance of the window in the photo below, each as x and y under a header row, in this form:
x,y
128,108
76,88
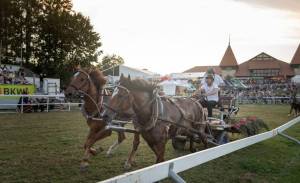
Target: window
x,y
264,72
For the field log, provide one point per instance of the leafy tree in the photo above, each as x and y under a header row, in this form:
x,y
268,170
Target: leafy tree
x,y
51,35
109,64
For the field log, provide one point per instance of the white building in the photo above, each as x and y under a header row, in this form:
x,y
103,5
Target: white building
x,y
187,75
115,73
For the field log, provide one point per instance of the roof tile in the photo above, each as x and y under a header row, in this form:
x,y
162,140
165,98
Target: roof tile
x,y
228,58
296,57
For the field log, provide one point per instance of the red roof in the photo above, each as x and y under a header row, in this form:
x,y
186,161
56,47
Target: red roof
x,y
296,57
228,59
264,61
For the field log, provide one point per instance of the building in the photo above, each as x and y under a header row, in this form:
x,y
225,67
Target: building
x,y
134,73
261,66
187,75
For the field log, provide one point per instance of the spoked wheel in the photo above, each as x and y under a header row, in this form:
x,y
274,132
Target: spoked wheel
x,y
178,143
222,138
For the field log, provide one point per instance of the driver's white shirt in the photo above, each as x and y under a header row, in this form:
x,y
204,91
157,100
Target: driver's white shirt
x,y
209,89
217,79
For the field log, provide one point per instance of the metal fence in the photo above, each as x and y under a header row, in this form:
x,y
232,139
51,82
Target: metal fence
x,y
264,100
170,168
65,106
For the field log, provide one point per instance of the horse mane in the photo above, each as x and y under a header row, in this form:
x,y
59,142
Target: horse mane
x,y
97,77
138,84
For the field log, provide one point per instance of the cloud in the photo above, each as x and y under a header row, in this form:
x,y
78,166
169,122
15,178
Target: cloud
x,y
292,6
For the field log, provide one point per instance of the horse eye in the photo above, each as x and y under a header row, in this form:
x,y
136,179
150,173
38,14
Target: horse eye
x,y
81,79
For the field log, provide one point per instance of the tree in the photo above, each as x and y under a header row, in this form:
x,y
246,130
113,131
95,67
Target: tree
x,y
54,36
109,64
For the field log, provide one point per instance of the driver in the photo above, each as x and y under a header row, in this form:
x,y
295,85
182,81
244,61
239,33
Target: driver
x,y
210,90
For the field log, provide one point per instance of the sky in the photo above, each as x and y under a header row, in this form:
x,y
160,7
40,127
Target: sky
x,y
167,36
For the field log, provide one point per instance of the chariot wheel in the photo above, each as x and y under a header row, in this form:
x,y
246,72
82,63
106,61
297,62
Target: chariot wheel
x,y
222,138
178,143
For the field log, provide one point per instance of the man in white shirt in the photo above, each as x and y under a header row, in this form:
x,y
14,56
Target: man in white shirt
x,y
210,91
217,78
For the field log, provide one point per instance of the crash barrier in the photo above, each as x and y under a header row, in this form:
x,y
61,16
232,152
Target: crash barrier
x,y
172,167
59,102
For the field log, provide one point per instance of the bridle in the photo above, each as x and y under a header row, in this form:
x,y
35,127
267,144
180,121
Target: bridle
x,y
155,103
88,82
126,97
123,98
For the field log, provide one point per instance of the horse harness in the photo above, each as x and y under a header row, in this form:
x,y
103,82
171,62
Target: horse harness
x,y
158,112
97,103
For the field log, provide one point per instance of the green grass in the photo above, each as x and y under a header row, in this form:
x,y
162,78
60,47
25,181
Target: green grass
x,y
47,147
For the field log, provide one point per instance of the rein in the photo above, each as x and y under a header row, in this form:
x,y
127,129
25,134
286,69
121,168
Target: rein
x,y
157,111
96,103
157,108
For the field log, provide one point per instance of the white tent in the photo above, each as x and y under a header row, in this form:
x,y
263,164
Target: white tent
x,y
296,79
169,86
188,75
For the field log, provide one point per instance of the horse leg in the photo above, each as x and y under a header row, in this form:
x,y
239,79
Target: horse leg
x,y
159,150
204,139
121,138
86,156
130,161
291,110
89,151
98,136
192,148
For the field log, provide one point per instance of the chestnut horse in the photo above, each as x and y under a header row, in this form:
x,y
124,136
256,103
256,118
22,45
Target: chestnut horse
x,y
90,83
157,118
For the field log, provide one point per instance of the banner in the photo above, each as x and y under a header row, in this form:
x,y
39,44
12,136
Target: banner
x,y
10,89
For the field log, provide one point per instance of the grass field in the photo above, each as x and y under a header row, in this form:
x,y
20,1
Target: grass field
x,y
47,147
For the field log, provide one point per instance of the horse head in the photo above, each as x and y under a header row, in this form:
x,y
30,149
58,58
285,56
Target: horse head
x,y
129,97
85,81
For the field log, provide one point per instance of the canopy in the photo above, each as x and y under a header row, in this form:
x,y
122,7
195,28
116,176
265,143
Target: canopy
x,y
296,79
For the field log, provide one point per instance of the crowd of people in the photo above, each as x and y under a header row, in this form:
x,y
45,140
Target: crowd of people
x,y
264,91
9,76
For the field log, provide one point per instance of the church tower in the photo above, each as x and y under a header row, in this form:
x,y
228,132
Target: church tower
x,y
228,63
295,63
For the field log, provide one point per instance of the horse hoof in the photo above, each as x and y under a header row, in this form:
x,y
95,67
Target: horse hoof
x,y
93,151
193,150
108,155
84,167
127,166
99,149
133,163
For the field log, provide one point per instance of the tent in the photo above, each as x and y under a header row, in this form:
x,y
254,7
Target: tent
x,y
296,79
170,87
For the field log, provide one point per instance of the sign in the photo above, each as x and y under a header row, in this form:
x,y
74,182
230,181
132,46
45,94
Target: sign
x,y
10,89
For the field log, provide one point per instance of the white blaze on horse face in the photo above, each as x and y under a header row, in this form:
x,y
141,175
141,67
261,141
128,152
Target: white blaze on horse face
x,y
116,91
76,74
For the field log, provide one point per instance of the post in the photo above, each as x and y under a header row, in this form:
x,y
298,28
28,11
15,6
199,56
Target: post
x,y
174,176
21,54
0,52
289,137
47,104
22,104
69,106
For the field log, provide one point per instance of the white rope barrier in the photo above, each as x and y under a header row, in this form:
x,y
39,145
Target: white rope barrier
x,y
170,168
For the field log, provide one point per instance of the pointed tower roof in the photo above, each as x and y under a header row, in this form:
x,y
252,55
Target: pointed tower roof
x,y
296,57
228,59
